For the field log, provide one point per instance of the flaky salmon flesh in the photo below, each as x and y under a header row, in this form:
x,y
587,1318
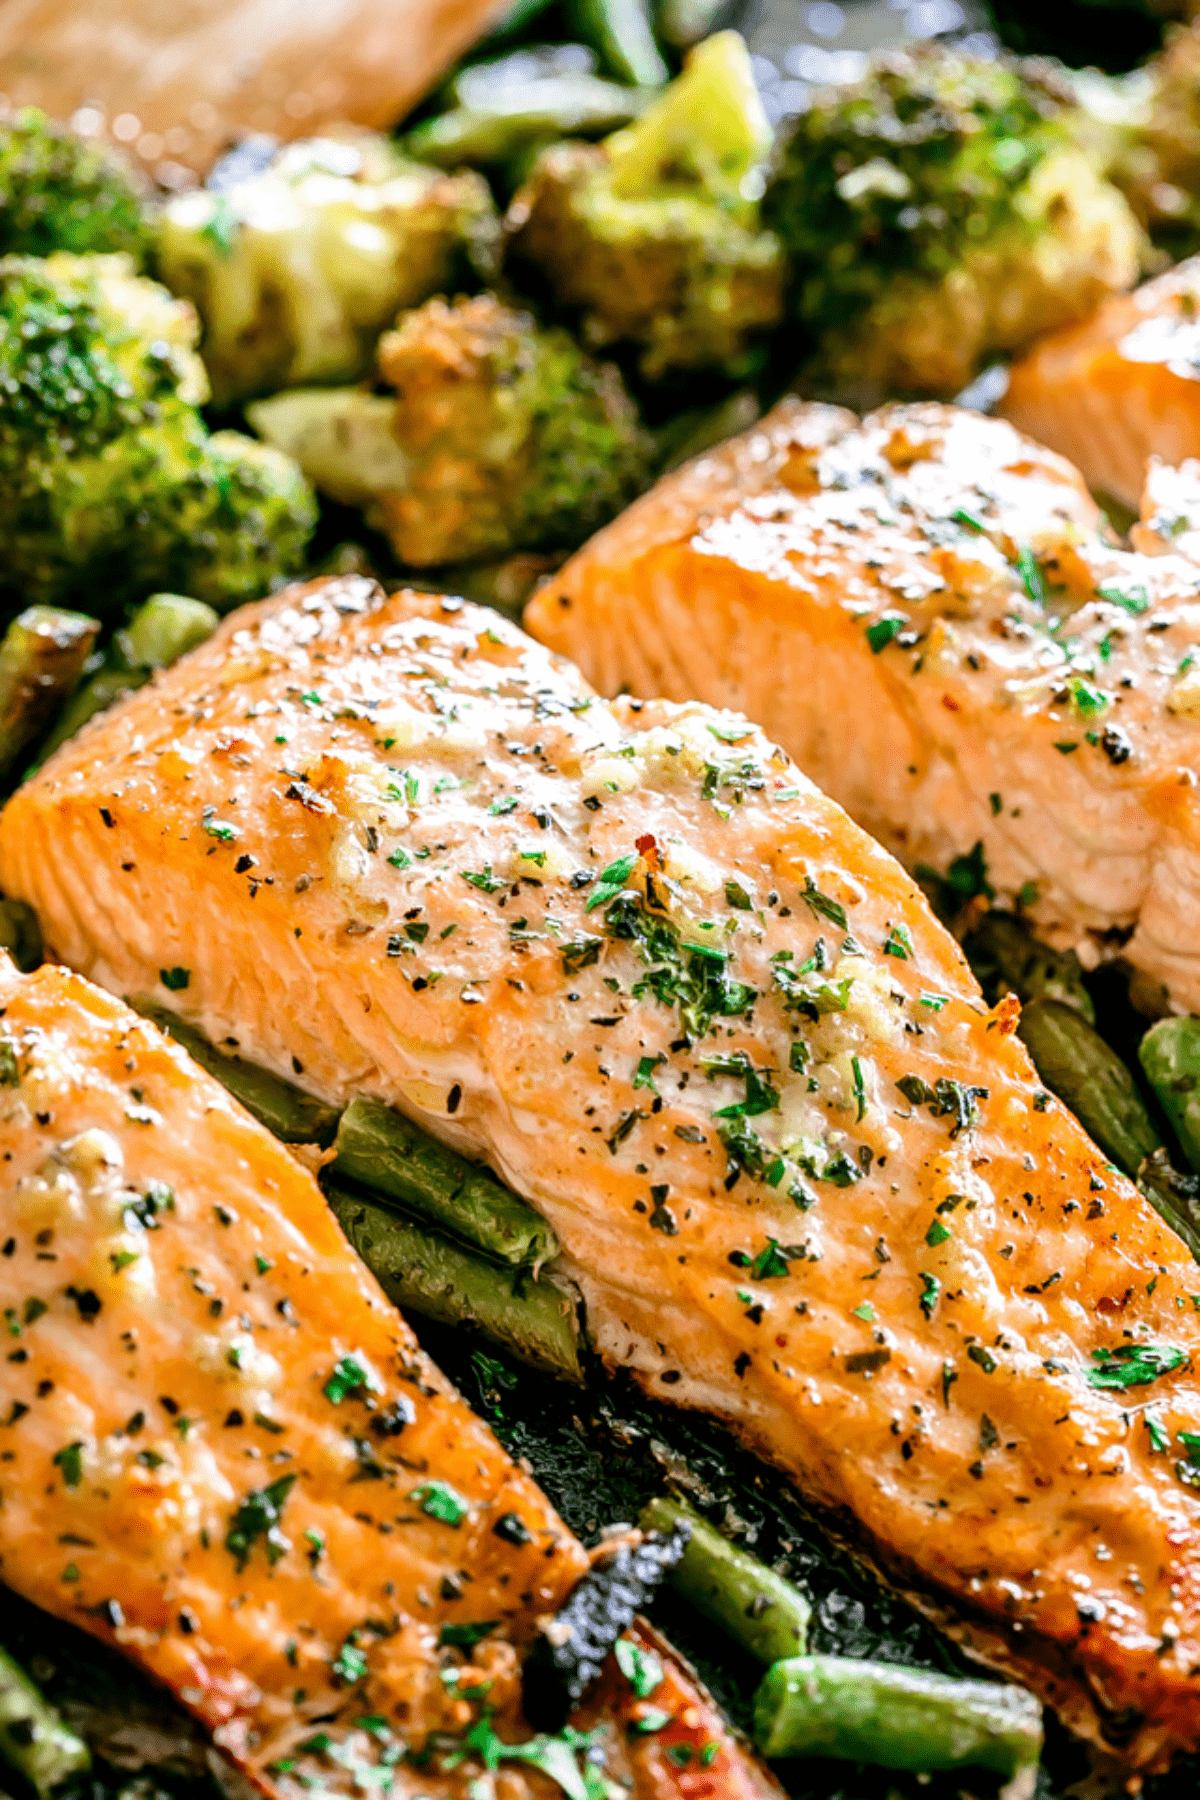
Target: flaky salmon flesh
x,y
222,1451
630,955
924,608
1121,388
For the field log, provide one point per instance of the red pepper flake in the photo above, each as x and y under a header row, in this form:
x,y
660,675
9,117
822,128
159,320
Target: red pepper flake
x,y
648,850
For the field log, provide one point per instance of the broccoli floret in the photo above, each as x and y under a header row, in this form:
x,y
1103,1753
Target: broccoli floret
x,y
296,269
110,485
938,213
500,436
653,237
59,192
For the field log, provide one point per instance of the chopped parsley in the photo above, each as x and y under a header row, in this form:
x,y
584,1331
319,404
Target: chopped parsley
x,y
581,953
483,879
822,907
881,633
642,1669
1031,575
348,1377
175,979
1133,1365
442,1502
1135,600
898,942
611,881
258,1516
70,1460
945,1099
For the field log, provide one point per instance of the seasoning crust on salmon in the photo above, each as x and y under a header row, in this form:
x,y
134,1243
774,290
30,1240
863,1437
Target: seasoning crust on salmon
x,y
628,953
924,607
223,1452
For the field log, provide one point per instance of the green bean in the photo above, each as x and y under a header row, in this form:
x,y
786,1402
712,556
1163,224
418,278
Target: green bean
x,y
1170,1057
682,23
34,1739
382,1150
762,1611
162,630
1175,1197
20,934
286,1110
1007,958
692,433
42,656
619,30
520,119
534,1318
1076,1064
896,1717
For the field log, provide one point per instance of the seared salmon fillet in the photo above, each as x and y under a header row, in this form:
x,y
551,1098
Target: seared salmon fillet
x,y
223,1451
701,1021
1121,387
923,608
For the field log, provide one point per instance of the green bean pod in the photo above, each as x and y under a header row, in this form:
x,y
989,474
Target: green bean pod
x,y
534,1318
34,1738
895,1717
514,123
1007,958
1170,1058
42,656
382,1150
764,1613
286,1110
1175,1197
619,31
158,634
1076,1064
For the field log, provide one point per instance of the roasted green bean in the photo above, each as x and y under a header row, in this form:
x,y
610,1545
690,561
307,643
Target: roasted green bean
x,y
619,31
1170,1058
762,1611
42,656
382,1150
1076,1064
896,1717
534,1318
157,635
1007,958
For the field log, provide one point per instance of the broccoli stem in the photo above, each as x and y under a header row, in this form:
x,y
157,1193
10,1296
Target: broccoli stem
x,y
42,655
34,1739
1170,1058
286,1110
534,1319
380,1149
1076,1064
895,1717
619,31
157,635
762,1611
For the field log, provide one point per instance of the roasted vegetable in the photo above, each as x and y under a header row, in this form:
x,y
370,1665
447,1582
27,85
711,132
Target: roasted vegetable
x,y
1170,1058
508,110
1174,1196
297,268
60,192
764,1613
42,655
1006,958
1076,1064
158,634
939,213
536,1320
34,1739
571,1649
20,934
283,1108
502,436
896,1718
380,1149
110,484
620,31
653,238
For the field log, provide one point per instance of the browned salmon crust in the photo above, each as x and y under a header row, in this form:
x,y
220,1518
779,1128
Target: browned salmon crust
x,y
923,608
224,1453
804,1178
1120,388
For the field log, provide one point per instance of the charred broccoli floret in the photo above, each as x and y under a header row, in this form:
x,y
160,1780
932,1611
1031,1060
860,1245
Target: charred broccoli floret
x,y
653,237
110,485
938,213
296,269
59,192
500,436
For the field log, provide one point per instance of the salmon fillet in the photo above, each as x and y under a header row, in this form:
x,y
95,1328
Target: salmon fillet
x,y
923,608
222,1451
1119,388
804,1179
